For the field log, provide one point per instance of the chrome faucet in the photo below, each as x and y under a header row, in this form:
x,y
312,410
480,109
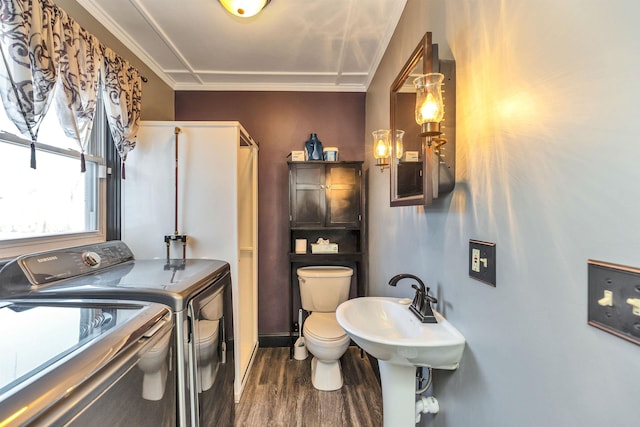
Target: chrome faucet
x,y
421,304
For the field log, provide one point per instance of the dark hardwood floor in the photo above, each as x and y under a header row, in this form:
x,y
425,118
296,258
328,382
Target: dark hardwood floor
x,y
279,393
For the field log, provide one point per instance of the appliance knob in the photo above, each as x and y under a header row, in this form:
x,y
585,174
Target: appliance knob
x,y
91,259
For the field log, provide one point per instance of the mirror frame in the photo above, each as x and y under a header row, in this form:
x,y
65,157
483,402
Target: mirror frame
x,y
438,173
423,50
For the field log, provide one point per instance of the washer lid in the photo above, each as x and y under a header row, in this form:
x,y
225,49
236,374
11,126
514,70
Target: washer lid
x,y
325,271
324,326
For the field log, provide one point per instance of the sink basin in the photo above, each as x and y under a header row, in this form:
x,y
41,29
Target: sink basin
x,y
387,330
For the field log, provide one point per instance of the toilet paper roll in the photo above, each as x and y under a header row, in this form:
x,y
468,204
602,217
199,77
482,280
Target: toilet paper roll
x,y
301,246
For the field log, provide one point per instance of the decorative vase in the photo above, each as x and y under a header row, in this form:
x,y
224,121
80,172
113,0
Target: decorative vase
x,y
313,147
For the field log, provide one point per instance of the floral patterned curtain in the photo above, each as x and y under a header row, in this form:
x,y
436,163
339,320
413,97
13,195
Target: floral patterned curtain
x,y
122,93
30,40
43,48
76,93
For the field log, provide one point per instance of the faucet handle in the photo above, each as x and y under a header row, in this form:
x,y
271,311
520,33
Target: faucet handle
x,y
425,308
430,298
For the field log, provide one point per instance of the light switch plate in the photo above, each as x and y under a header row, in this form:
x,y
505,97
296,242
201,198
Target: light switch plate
x,y
614,294
482,261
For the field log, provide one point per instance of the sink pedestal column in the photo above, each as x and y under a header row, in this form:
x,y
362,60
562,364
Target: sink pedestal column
x,y
398,394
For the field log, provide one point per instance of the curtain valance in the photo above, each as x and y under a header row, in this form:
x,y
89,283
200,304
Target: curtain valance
x,y
44,49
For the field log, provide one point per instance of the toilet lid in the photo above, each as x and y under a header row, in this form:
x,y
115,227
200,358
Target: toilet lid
x,y
207,330
324,326
325,271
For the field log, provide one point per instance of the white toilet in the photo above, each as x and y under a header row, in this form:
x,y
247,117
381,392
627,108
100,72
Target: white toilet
x,y
208,333
154,364
322,290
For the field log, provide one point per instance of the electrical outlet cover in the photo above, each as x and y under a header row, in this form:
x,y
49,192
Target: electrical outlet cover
x,y
482,261
612,290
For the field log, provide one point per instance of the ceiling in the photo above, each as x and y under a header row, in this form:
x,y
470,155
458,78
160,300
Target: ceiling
x,y
296,45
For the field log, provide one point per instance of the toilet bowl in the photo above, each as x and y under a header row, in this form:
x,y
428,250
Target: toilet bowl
x,y
327,341
207,352
322,289
154,365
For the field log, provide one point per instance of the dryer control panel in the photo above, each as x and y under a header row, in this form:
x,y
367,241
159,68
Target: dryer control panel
x,y
47,267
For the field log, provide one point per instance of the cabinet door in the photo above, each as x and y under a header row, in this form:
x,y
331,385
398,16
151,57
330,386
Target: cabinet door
x,y
343,196
307,195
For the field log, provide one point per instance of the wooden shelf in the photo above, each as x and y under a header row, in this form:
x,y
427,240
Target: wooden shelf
x,y
314,228
339,256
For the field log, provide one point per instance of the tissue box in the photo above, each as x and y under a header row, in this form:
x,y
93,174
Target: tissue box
x,y
411,156
297,156
328,248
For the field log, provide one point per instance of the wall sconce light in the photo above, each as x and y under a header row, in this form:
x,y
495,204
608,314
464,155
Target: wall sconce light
x,y
399,143
244,8
429,105
382,147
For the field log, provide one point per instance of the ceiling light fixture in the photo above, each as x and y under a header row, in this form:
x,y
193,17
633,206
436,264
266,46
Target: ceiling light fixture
x,y
244,8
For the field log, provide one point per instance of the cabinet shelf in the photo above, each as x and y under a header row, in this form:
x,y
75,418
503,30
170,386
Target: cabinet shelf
x,y
318,228
351,256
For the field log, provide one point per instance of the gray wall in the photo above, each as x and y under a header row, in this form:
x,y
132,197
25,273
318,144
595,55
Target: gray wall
x,y
548,169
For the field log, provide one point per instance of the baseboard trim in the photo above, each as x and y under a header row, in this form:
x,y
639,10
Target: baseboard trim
x,y
274,340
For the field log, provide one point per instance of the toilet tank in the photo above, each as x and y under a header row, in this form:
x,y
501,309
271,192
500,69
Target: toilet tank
x,y
324,288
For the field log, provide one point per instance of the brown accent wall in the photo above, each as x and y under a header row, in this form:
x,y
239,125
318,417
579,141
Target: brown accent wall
x,y
280,122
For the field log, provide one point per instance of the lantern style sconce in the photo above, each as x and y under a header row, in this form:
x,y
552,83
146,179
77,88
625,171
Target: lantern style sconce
x,y
382,147
429,105
399,135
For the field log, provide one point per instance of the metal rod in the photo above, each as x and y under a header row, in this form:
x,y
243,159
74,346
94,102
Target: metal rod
x,y
177,132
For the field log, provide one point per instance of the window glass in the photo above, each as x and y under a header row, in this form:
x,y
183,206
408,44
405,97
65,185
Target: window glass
x,y
56,198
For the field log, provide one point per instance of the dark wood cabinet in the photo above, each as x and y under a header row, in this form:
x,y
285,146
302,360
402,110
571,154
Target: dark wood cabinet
x,y
324,194
326,200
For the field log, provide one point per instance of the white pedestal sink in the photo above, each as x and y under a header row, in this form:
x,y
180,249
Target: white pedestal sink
x,y
386,329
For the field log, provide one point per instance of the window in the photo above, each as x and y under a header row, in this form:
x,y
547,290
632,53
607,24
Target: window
x,y
55,204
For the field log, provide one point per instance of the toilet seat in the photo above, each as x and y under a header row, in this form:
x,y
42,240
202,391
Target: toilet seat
x,y
323,327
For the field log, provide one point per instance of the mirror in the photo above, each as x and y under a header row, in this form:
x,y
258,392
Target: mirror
x,y
422,168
